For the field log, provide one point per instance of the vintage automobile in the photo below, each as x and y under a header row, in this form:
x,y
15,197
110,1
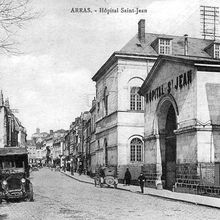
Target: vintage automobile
x,y
106,176
14,174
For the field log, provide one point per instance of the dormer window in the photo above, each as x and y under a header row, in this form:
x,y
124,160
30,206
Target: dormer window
x,y
213,50
164,46
217,51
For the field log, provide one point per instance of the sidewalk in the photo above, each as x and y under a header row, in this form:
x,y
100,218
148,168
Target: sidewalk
x,y
166,194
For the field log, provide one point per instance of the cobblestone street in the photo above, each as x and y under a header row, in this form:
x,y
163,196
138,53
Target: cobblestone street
x,y
59,197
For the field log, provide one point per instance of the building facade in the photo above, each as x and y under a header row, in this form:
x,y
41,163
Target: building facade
x,y
182,123
31,148
119,107
12,133
93,145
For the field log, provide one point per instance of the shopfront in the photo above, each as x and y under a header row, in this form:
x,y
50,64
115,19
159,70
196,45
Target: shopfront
x,y
182,123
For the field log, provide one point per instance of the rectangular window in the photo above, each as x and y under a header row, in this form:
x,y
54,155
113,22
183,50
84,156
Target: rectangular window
x,y
135,99
139,103
132,153
165,46
139,153
136,150
132,103
217,51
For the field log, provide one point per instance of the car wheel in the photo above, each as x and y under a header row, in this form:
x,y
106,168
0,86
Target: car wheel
x,y
31,193
95,182
115,186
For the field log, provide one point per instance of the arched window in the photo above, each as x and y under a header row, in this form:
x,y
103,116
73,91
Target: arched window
x,y
136,102
136,146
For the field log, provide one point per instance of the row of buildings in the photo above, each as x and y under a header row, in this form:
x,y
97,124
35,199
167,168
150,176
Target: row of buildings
x,y
46,148
12,132
157,111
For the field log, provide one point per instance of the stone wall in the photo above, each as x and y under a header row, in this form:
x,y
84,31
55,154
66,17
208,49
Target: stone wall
x,y
149,171
134,169
196,178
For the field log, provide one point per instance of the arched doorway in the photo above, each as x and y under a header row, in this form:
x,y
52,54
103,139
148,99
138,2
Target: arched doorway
x,y
170,148
167,123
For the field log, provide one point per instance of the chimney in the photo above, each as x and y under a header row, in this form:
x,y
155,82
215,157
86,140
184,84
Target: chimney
x,y
141,31
185,44
51,131
38,130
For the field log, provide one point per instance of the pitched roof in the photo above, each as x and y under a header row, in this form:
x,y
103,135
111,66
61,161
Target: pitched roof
x,y
196,48
200,62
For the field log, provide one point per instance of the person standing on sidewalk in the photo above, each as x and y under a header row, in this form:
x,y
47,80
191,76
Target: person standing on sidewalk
x,y
127,177
142,181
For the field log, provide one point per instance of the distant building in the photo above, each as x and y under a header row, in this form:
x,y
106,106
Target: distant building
x,y
93,147
32,153
52,146
49,147
76,143
39,136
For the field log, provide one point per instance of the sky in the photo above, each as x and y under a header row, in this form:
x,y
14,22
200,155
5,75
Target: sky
x,y
50,82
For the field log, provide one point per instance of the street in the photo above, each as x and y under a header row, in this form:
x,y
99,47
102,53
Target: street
x,y
57,196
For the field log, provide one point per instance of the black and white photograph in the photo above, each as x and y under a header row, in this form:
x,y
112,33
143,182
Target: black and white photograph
x,y
109,110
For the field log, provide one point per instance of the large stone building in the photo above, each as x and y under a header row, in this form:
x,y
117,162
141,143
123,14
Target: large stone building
x,y
119,107
182,122
39,136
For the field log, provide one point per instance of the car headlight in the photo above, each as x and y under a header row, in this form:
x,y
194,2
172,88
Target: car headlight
x,y
23,180
4,182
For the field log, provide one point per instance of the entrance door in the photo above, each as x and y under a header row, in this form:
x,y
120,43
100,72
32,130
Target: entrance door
x,y
170,149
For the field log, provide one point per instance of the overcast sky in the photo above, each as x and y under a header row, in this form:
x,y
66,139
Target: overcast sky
x,y
50,83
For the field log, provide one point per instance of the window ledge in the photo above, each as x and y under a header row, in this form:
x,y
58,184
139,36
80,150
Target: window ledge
x,y
136,111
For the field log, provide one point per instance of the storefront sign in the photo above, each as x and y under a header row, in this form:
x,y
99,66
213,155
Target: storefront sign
x,y
181,81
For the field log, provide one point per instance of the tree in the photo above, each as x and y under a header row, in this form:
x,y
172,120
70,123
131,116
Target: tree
x,y
14,14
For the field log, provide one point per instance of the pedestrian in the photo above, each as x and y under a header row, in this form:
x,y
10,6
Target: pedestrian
x,y
127,177
142,180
